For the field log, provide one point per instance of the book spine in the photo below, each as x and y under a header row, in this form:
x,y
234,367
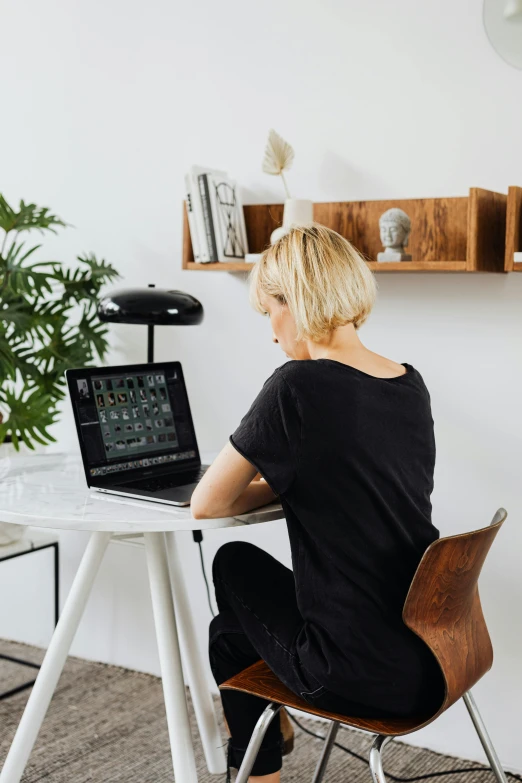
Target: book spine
x,y
207,216
192,223
197,211
216,218
241,219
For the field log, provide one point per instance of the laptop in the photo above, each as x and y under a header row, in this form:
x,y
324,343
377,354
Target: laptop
x,y
135,430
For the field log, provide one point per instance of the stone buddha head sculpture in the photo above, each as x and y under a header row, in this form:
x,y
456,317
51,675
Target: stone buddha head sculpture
x,y
395,227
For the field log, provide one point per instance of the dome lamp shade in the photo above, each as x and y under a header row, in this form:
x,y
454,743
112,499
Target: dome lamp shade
x,y
151,306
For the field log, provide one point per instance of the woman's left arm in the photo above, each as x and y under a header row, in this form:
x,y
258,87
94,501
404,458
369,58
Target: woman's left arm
x,y
228,489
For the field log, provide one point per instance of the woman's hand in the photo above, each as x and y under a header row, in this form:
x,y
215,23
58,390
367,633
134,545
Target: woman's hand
x,y
231,486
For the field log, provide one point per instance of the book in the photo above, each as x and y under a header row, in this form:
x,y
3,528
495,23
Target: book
x,y
204,192
205,249
194,238
227,217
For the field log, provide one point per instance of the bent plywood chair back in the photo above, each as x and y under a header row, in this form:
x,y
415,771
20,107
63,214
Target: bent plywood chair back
x,y
443,607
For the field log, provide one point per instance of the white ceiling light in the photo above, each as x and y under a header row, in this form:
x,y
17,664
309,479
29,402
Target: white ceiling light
x,y
513,10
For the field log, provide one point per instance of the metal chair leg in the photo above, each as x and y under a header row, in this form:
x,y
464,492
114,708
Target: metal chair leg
x,y
376,759
255,741
325,755
484,737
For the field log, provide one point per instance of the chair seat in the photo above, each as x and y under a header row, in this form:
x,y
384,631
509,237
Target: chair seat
x,y
259,680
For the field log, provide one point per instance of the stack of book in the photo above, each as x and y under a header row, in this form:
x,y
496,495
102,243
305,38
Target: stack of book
x,y
215,214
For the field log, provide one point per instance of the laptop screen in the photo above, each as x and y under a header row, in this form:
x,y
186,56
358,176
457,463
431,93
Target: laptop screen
x,y
132,417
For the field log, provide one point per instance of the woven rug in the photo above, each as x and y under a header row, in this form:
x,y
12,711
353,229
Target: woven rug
x,y
107,724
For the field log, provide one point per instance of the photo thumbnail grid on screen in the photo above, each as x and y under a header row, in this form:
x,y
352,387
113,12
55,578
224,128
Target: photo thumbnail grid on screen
x,y
135,414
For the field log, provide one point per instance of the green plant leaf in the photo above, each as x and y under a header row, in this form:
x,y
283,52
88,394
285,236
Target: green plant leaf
x,y
7,361
93,333
101,272
30,415
40,334
77,284
27,322
28,217
32,279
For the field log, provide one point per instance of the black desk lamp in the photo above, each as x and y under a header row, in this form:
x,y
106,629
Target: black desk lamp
x,y
151,306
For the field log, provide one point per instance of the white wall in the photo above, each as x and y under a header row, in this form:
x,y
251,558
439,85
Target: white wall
x,y
106,104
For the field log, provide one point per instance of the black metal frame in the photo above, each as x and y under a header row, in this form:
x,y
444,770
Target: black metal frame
x,y
56,546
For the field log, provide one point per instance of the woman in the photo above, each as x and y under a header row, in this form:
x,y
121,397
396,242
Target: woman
x,y
344,438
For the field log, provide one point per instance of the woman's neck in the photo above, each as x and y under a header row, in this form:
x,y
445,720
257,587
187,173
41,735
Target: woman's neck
x,y
342,344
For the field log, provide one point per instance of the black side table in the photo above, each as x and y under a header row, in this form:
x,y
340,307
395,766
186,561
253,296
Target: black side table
x,y
33,542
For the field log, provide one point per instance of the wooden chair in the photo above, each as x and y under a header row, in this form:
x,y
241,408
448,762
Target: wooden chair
x,y
443,608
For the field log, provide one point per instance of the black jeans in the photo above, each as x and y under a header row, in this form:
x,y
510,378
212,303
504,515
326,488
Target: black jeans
x,y
259,619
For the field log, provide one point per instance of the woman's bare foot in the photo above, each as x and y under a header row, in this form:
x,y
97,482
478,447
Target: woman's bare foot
x,y
274,778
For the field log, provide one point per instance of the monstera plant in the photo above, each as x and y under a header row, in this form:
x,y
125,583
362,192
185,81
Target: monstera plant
x,y
48,323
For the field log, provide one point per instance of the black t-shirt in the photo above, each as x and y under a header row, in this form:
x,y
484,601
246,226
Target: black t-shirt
x,y
351,457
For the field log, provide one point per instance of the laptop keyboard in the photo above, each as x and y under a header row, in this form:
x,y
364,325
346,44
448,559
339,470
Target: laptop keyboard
x,y
168,482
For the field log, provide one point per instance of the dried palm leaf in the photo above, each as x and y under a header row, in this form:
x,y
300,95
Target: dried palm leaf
x,y
279,156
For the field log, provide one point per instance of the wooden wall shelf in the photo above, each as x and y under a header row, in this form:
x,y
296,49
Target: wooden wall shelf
x,y
513,229
457,234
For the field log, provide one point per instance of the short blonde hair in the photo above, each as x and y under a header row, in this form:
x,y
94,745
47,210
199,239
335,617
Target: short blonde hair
x,y
322,278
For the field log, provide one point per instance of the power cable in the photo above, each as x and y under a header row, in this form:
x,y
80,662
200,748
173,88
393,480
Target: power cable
x,y
197,535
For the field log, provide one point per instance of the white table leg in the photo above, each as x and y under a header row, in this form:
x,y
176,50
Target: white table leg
x,y
201,696
170,660
54,660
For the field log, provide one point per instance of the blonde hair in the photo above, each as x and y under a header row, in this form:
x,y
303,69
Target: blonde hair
x,y
322,278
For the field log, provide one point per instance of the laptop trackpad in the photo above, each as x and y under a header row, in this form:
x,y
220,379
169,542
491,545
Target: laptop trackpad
x,y
174,494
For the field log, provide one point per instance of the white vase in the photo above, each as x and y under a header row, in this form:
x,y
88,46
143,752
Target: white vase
x,y
296,212
9,532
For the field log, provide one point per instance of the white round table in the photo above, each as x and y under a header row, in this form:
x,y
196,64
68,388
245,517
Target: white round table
x,y
49,491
